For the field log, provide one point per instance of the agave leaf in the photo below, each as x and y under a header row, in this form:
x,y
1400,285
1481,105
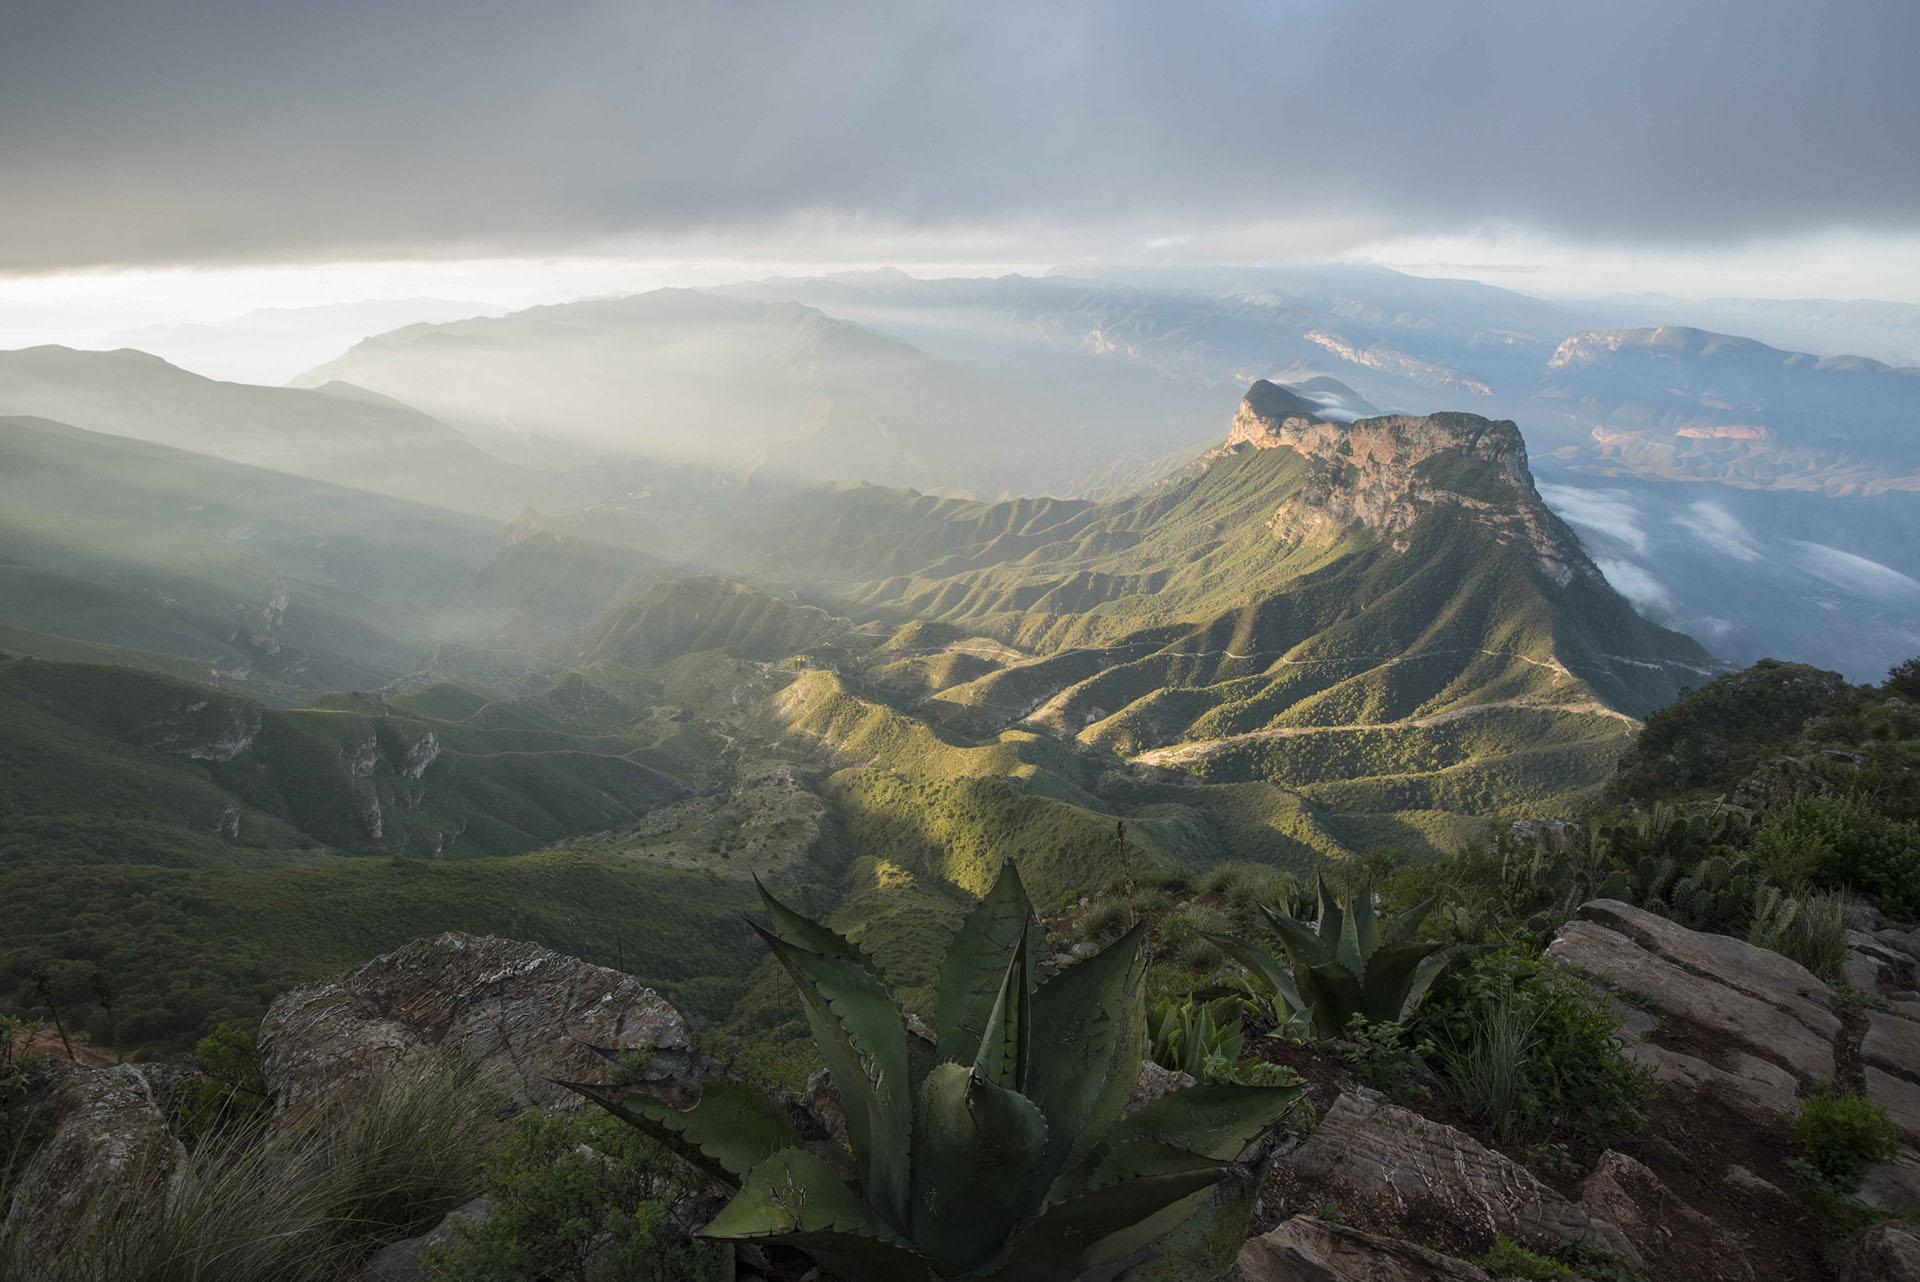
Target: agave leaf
x,y
863,1039
794,1198
1330,914
1407,924
977,1147
1390,984
1213,1121
1304,945
1429,971
1108,1222
1088,1034
1360,931
1267,968
1333,994
731,1130
803,932
1004,1045
976,963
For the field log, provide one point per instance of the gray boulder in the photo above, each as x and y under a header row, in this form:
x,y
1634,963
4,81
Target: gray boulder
x,y
401,1261
1890,1055
1306,1249
518,1013
1770,1020
105,1142
1402,1160
1884,1253
1624,1192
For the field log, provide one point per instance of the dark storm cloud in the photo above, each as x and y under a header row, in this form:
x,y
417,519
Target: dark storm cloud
x,y
148,131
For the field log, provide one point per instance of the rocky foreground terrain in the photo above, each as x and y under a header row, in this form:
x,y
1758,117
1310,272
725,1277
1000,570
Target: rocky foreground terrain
x,y
1366,1191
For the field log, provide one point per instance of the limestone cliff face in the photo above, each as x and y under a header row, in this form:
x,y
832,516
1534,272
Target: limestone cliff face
x,y
1383,473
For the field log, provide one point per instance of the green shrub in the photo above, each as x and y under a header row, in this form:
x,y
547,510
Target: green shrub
x,y
1572,1075
577,1199
1850,847
1381,1056
1508,1259
1841,1133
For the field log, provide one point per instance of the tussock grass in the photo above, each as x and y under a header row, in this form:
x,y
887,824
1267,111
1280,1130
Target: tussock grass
x,y
303,1200
1810,929
1484,1067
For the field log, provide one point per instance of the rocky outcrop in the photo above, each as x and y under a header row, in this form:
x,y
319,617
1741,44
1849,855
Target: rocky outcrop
x,y
1307,1249
402,1261
103,1141
1756,1024
1383,472
1738,1022
1388,1154
517,1012
1622,1191
1885,1253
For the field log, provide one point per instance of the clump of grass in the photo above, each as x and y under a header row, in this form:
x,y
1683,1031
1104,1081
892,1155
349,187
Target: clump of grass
x,y
1172,881
1484,1065
298,1201
1106,920
1810,929
1227,880
1185,934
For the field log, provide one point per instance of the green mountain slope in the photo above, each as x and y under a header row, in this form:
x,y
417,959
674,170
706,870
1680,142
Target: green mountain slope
x,y
336,433
1395,575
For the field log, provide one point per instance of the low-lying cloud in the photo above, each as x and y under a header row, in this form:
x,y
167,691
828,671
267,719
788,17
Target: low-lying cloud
x,y
161,131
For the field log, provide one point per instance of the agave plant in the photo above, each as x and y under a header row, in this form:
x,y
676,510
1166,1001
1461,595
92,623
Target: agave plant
x,y
1186,1035
1347,963
1002,1154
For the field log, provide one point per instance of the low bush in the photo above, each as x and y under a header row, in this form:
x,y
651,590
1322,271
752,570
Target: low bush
x,y
1508,1259
1846,846
1525,1047
1381,1055
1841,1133
577,1198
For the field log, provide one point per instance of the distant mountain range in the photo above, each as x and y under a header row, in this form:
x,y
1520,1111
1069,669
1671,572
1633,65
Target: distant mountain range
x,y
745,386
332,432
1685,404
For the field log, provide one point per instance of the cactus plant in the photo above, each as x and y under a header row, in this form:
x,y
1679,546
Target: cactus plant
x,y
1003,1155
1349,963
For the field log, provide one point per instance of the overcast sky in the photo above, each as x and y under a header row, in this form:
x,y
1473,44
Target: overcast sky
x,y
1651,145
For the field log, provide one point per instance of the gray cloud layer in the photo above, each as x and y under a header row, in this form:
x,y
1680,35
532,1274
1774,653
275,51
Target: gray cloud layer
x,y
158,131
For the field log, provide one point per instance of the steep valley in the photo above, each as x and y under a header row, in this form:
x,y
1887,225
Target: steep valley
x,y
1320,640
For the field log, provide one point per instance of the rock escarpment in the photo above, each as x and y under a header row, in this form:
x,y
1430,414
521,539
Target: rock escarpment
x,y
1383,473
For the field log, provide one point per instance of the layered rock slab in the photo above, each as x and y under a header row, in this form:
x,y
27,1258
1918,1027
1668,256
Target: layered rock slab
x,y
1307,1249
1760,1008
518,1013
1395,1156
